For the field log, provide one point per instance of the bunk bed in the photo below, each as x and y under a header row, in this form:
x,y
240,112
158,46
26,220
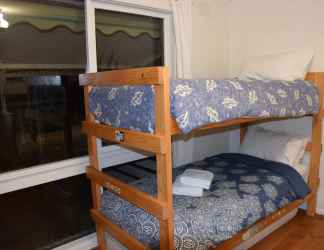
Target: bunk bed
x,y
159,142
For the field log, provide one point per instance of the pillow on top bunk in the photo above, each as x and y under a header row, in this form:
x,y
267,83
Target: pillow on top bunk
x,y
274,146
288,66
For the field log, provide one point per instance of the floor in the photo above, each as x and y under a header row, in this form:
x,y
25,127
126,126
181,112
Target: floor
x,y
302,233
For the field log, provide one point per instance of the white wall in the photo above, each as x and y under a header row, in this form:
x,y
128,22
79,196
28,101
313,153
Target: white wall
x,y
210,60
210,38
261,26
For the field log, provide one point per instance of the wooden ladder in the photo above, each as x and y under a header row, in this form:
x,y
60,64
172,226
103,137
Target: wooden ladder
x,y
158,143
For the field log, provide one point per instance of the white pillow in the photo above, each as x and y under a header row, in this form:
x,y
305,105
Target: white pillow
x,y
274,146
302,169
304,165
288,66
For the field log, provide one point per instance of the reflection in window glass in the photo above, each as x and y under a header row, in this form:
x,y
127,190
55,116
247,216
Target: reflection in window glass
x,y
52,214
41,104
46,216
128,41
41,121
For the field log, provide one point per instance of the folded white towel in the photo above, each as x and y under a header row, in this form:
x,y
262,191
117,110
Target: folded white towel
x,y
181,189
197,178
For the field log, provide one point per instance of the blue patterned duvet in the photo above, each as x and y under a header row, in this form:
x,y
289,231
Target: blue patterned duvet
x,y
195,103
244,190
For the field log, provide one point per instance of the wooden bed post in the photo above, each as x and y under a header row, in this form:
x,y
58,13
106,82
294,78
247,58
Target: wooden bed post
x,y
94,163
315,156
164,161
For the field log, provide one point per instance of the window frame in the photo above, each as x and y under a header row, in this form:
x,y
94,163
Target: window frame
x,y
111,155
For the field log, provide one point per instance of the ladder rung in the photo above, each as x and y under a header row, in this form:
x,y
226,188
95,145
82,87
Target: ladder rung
x,y
135,139
135,196
117,232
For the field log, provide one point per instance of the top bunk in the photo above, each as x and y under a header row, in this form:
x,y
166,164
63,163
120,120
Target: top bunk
x,y
126,102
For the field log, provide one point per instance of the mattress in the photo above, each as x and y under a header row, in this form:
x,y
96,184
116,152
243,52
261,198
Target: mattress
x,y
114,244
195,103
244,190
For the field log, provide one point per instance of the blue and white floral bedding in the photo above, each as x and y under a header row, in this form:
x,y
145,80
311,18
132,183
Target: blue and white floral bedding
x,y
244,190
195,103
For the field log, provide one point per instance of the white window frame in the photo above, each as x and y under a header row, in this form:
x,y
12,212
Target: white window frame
x,y
90,241
111,155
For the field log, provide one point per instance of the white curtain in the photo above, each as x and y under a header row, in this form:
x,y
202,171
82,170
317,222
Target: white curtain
x,y
182,16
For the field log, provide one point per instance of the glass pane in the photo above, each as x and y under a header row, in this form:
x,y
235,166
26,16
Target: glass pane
x,y
40,121
52,214
42,34
41,101
128,41
46,216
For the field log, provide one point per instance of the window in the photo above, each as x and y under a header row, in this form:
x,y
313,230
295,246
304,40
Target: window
x,y
41,101
46,216
40,120
128,40
41,55
58,212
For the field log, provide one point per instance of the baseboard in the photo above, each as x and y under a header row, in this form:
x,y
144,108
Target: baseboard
x,y
320,211
85,243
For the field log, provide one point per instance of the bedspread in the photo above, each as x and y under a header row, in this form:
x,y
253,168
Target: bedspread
x,y
244,190
195,103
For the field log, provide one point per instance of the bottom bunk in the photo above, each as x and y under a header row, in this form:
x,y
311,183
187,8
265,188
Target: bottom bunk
x,y
116,245
244,190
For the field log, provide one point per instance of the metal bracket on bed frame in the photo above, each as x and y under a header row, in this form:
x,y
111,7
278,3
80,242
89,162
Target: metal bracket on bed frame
x,y
119,136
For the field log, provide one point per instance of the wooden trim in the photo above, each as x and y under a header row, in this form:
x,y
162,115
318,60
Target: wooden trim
x,y
138,140
175,130
118,233
246,121
139,76
129,193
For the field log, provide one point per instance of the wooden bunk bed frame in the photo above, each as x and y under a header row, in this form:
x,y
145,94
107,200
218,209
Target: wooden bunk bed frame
x,y
159,143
